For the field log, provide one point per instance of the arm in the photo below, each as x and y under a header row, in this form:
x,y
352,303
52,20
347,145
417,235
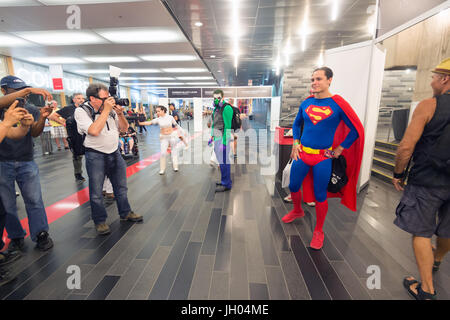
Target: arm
x,y
123,123
421,116
7,100
296,134
12,116
349,139
227,117
97,126
57,118
38,126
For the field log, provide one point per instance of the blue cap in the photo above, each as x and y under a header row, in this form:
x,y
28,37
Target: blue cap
x,y
13,82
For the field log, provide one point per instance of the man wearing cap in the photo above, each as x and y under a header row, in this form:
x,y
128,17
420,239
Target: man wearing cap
x,y
17,164
426,197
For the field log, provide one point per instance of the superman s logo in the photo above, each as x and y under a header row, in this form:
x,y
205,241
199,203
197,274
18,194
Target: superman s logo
x,y
317,114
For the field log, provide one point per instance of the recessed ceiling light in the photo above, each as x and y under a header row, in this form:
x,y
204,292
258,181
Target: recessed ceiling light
x,y
142,35
201,83
110,59
17,3
8,40
92,71
168,57
149,83
141,71
195,78
219,71
64,2
212,56
198,24
184,70
156,78
55,60
61,37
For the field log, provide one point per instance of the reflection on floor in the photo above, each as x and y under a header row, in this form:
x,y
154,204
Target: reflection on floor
x,y
195,244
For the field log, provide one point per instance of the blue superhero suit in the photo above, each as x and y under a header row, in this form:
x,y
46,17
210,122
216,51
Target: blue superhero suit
x,y
321,118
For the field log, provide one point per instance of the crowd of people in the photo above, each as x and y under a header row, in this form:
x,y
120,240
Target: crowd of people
x,y
325,131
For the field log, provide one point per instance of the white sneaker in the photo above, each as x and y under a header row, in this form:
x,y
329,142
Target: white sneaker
x,y
161,172
175,169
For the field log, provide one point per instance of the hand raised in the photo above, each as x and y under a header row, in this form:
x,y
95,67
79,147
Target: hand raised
x,y
27,120
13,114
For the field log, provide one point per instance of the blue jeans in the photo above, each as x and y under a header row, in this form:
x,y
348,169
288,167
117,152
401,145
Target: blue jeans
x,y
26,173
2,223
223,156
99,165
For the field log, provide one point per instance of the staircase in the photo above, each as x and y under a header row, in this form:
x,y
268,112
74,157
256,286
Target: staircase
x,y
384,160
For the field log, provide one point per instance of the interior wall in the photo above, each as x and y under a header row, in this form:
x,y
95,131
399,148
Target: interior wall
x,y
423,45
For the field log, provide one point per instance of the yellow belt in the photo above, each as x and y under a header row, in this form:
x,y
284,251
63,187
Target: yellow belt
x,y
311,150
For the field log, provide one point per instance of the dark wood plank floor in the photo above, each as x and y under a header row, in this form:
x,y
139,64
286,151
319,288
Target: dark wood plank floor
x,y
195,244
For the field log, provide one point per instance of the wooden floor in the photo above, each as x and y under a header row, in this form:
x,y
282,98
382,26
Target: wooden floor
x,y
195,244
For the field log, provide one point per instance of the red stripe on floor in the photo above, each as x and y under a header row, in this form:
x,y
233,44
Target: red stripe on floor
x,y
66,205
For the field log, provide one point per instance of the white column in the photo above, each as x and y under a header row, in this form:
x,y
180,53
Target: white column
x,y
198,115
275,108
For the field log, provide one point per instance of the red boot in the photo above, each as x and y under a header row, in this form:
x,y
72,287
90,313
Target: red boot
x,y
297,212
318,236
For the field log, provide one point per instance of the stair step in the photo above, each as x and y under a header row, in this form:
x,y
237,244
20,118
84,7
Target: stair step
x,y
381,173
387,154
383,162
386,145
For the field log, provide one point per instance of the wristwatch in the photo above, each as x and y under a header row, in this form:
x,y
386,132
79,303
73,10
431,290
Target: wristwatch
x,y
399,175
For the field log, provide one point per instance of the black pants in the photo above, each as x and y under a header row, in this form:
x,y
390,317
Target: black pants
x,y
142,127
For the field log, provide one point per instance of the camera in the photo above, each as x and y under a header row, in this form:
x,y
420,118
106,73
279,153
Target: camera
x,y
113,82
21,102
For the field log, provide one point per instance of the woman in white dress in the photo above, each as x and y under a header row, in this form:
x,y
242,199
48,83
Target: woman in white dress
x,y
168,136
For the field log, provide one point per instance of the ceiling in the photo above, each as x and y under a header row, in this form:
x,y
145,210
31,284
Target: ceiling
x,y
266,27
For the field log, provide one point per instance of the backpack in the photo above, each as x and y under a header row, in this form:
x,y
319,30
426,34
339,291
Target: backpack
x,y
338,177
440,152
75,139
236,122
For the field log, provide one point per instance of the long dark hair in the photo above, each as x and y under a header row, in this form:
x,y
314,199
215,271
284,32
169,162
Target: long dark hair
x,y
162,108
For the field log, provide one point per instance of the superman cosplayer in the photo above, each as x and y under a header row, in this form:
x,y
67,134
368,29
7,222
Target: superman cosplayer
x,y
331,128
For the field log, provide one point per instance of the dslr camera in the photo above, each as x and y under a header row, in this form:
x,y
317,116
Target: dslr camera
x,y
113,82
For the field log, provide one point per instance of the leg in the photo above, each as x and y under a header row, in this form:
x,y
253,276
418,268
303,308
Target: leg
x,y
30,187
8,197
173,146
424,258
162,160
131,143
77,164
117,173
322,173
443,246
66,144
222,153
57,143
299,170
95,166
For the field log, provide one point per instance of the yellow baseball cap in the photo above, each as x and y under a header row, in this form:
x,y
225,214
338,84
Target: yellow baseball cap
x,y
443,67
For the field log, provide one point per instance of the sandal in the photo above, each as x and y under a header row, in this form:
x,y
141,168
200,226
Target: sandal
x,y
420,295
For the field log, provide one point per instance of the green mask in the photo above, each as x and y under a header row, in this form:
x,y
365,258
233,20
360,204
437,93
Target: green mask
x,y
216,101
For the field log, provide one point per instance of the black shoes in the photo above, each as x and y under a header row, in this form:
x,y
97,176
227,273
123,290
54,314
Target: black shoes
x,y
8,256
79,177
222,188
5,277
44,242
16,245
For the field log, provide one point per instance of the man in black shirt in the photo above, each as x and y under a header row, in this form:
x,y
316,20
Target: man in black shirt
x,y
174,113
17,164
65,113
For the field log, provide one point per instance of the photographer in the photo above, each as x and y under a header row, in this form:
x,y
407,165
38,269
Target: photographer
x,y
101,120
12,116
17,164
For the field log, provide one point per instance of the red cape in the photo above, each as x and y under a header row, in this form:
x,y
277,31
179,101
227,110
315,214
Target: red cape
x,y
353,155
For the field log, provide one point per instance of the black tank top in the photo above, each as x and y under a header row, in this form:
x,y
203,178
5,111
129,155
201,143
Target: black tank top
x,y
423,173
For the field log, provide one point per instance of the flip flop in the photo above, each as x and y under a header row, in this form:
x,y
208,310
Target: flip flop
x,y
420,295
